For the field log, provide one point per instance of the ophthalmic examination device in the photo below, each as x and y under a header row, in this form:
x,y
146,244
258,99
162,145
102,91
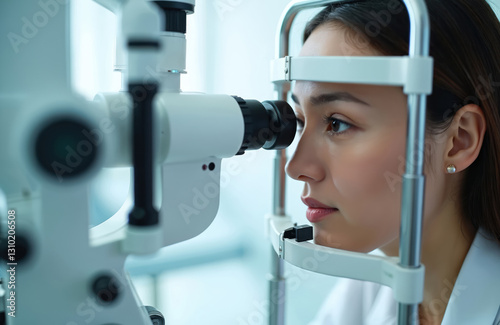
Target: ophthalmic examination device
x,y
54,143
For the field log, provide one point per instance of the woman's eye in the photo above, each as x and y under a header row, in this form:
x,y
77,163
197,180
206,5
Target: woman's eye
x,y
337,126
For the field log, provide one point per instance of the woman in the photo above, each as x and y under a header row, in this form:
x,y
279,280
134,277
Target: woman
x,y
351,158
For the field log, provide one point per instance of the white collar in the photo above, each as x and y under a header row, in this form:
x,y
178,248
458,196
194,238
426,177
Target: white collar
x,y
475,298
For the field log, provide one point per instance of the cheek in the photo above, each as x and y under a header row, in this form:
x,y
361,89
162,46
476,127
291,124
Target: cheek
x,y
368,181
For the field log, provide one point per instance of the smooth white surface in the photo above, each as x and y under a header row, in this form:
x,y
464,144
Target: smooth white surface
x,y
414,74
195,126
190,199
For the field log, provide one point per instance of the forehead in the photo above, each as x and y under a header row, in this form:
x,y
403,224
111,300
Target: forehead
x,y
331,39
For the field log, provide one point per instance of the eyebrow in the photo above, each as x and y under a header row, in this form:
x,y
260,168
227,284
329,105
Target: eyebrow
x,y
331,97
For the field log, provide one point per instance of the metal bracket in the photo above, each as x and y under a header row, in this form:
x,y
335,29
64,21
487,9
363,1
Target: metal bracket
x,y
299,233
288,66
281,249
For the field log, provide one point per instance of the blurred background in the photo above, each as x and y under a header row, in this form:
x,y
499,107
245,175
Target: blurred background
x,y
219,277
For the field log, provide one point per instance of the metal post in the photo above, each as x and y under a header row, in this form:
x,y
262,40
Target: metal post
x,y
277,290
155,277
277,282
414,180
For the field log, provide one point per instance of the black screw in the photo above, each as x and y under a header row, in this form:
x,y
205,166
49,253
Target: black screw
x,y
106,288
155,315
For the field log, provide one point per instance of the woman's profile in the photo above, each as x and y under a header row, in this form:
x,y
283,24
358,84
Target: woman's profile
x,y
351,152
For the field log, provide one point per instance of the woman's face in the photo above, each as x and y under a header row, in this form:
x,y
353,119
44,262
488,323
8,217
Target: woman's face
x,y
351,153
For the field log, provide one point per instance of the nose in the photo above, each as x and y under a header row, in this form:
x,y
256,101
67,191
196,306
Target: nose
x,y
305,164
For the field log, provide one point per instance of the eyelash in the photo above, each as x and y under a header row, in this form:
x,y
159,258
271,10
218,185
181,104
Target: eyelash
x,y
328,120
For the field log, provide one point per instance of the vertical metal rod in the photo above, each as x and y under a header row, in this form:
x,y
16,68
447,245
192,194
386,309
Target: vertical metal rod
x,y
413,185
279,183
277,290
414,180
277,281
156,292
412,202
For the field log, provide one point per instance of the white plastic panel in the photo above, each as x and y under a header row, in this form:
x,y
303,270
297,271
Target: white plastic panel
x,y
190,198
195,126
414,74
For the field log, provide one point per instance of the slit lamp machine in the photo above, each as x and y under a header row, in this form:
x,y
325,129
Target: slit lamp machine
x,y
54,143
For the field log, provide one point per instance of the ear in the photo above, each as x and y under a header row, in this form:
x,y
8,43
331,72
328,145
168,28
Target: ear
x,y
465,137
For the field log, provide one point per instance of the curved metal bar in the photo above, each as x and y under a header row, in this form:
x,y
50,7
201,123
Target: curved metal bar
x,y
413,180
283,35
419,27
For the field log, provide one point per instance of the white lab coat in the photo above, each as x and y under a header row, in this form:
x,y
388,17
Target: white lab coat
x,y
475,298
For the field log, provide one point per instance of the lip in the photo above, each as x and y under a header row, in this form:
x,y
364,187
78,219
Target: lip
x,y
317,211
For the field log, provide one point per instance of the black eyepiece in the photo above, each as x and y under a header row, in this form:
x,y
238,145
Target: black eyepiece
x,y
175,15
282,123
268,125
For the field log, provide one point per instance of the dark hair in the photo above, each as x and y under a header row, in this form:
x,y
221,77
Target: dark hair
x,y
465,45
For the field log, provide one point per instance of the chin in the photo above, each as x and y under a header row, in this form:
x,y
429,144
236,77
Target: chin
x,y
329,239
326,238
322,241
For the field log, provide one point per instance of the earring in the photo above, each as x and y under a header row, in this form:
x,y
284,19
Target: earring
x,y
451,169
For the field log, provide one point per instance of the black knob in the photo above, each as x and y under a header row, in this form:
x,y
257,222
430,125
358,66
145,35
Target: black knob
x,y
106,288
65,148
155,315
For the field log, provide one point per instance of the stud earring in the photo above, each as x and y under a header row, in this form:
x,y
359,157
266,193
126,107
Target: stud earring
x,y
451,169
